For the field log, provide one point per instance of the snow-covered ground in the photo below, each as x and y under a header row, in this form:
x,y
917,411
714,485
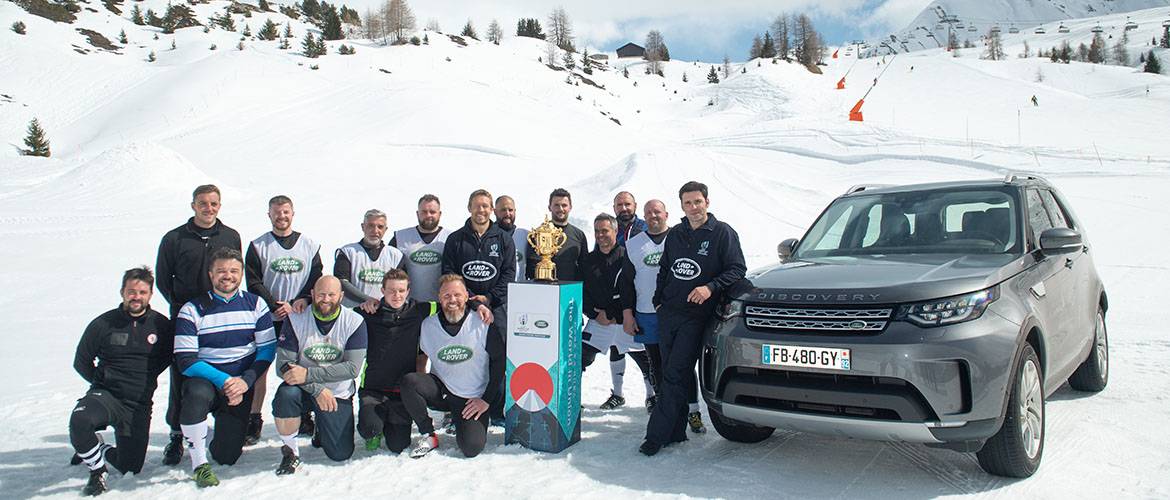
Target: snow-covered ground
x,y
380,128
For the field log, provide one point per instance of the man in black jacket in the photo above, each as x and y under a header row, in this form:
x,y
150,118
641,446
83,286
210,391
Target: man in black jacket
x,y
568,258
701,259
182,269
609,305
393,352
132,345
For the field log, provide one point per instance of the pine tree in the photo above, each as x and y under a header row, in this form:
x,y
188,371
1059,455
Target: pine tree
x,y
37,141
768,49
330,23
287,30
1165,42
311,9
469,31
240,46
136,16
227,22
1066,52
994,51
568,61
494,32
153,19
529,27
151,57
626,71
1152,64
122,38
426,40
309,46
1097,49
247,30
586,65
1083,53
284,44
268,31
684,77
712,76
726,66
1120,51
264,7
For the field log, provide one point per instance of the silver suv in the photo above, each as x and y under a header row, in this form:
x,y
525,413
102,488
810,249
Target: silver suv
x,y
941,314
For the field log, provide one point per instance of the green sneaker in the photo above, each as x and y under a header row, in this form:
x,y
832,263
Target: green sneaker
x,y
205,477
374,443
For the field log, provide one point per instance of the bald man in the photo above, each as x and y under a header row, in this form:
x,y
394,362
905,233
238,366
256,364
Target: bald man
x,y
320,352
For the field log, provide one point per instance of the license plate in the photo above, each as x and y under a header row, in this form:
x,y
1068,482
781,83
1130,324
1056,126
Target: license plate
x,y
806,357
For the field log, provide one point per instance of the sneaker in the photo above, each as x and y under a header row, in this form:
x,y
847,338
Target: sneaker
x,y
205,477
173,452
614,402
651,402
374,443
289,462
255,423
695,421
448,425
307,426
97,483
425,445
649,448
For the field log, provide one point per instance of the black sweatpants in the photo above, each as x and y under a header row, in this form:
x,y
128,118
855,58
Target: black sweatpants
x,y
334,428
200,398
420,390
655,356
384,413
174,398
680,338
131,422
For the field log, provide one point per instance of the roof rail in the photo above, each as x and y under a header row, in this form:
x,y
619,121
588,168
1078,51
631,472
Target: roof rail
x,y
1011,177
862,187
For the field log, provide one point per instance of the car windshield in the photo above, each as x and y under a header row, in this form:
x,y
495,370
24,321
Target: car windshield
x,y
920,222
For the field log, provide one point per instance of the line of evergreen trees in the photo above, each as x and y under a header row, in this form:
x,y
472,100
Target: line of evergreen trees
x,y
791,38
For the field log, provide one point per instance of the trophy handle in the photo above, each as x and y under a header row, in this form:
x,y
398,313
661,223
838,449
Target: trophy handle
x,y
562,238
531,241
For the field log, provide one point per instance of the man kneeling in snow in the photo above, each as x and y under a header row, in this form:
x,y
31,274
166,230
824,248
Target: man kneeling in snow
x,y
467,366
320,353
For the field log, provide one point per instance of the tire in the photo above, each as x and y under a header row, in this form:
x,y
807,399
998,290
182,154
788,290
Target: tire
x,y
740,432
1016,449
1093,374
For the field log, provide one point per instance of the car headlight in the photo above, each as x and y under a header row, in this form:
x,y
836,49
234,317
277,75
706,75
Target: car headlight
x,y
730,310
950,310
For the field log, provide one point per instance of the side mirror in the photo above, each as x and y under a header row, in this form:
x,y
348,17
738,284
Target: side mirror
x,y
785,248
1060,240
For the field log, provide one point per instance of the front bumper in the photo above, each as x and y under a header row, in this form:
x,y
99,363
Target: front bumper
x,y
907,383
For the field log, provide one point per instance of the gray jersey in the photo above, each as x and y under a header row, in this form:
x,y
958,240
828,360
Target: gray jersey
x,y
318,350
366,274
285,271
645,254
460,361
424,261
520,239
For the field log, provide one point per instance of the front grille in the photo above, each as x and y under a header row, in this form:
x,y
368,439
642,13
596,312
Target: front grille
x,y
818,320
856,396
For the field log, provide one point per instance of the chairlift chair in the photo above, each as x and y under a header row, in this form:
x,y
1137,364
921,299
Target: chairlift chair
x,y
972,28
959,26
1098,29
1061,29
1040,30
995,29
1013,29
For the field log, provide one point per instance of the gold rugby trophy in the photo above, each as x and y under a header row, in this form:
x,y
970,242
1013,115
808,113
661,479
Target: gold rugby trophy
x,y
546,239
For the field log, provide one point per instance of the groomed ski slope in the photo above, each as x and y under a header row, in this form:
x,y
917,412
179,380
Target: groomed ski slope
x,y
132,138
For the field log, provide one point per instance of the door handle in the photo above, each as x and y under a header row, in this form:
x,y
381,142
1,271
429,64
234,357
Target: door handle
x,y
1068,263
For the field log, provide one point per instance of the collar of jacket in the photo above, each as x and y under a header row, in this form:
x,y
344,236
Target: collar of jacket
x,y
707,226
492,228
193,229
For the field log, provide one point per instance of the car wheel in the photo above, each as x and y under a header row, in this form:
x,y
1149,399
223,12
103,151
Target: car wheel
x,y
1016,449
740,432
1093,374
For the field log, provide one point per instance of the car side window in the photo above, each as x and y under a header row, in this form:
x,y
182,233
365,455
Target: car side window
x,y
1038,218
1055,210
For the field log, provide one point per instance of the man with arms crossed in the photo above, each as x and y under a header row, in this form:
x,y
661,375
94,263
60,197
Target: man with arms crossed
x,y
182,275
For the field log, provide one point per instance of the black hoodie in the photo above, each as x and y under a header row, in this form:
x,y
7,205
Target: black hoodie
x,y
709,255
130,352
487,263
181,267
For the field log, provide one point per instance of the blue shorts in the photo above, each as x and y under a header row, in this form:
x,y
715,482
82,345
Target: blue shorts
x,y
647,328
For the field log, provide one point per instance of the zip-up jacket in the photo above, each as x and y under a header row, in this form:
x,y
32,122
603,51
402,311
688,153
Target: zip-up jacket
x,y
181,267
130,352
609,283
630,229
487,263
393,343
709,255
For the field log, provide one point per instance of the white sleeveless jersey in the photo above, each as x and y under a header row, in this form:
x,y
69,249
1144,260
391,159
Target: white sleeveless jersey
x,y
424,261
323,349
461,362
520,239
366,274
285,271
645,254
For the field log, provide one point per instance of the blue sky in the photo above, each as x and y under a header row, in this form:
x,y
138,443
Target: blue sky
x,y
694,29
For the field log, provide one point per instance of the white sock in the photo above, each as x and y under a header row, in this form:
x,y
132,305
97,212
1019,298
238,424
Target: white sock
x,y
694,407
95,458
196,436
649,387
617,371
291,442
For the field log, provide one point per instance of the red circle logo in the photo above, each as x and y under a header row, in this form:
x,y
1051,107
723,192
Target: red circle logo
x,y
531,387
